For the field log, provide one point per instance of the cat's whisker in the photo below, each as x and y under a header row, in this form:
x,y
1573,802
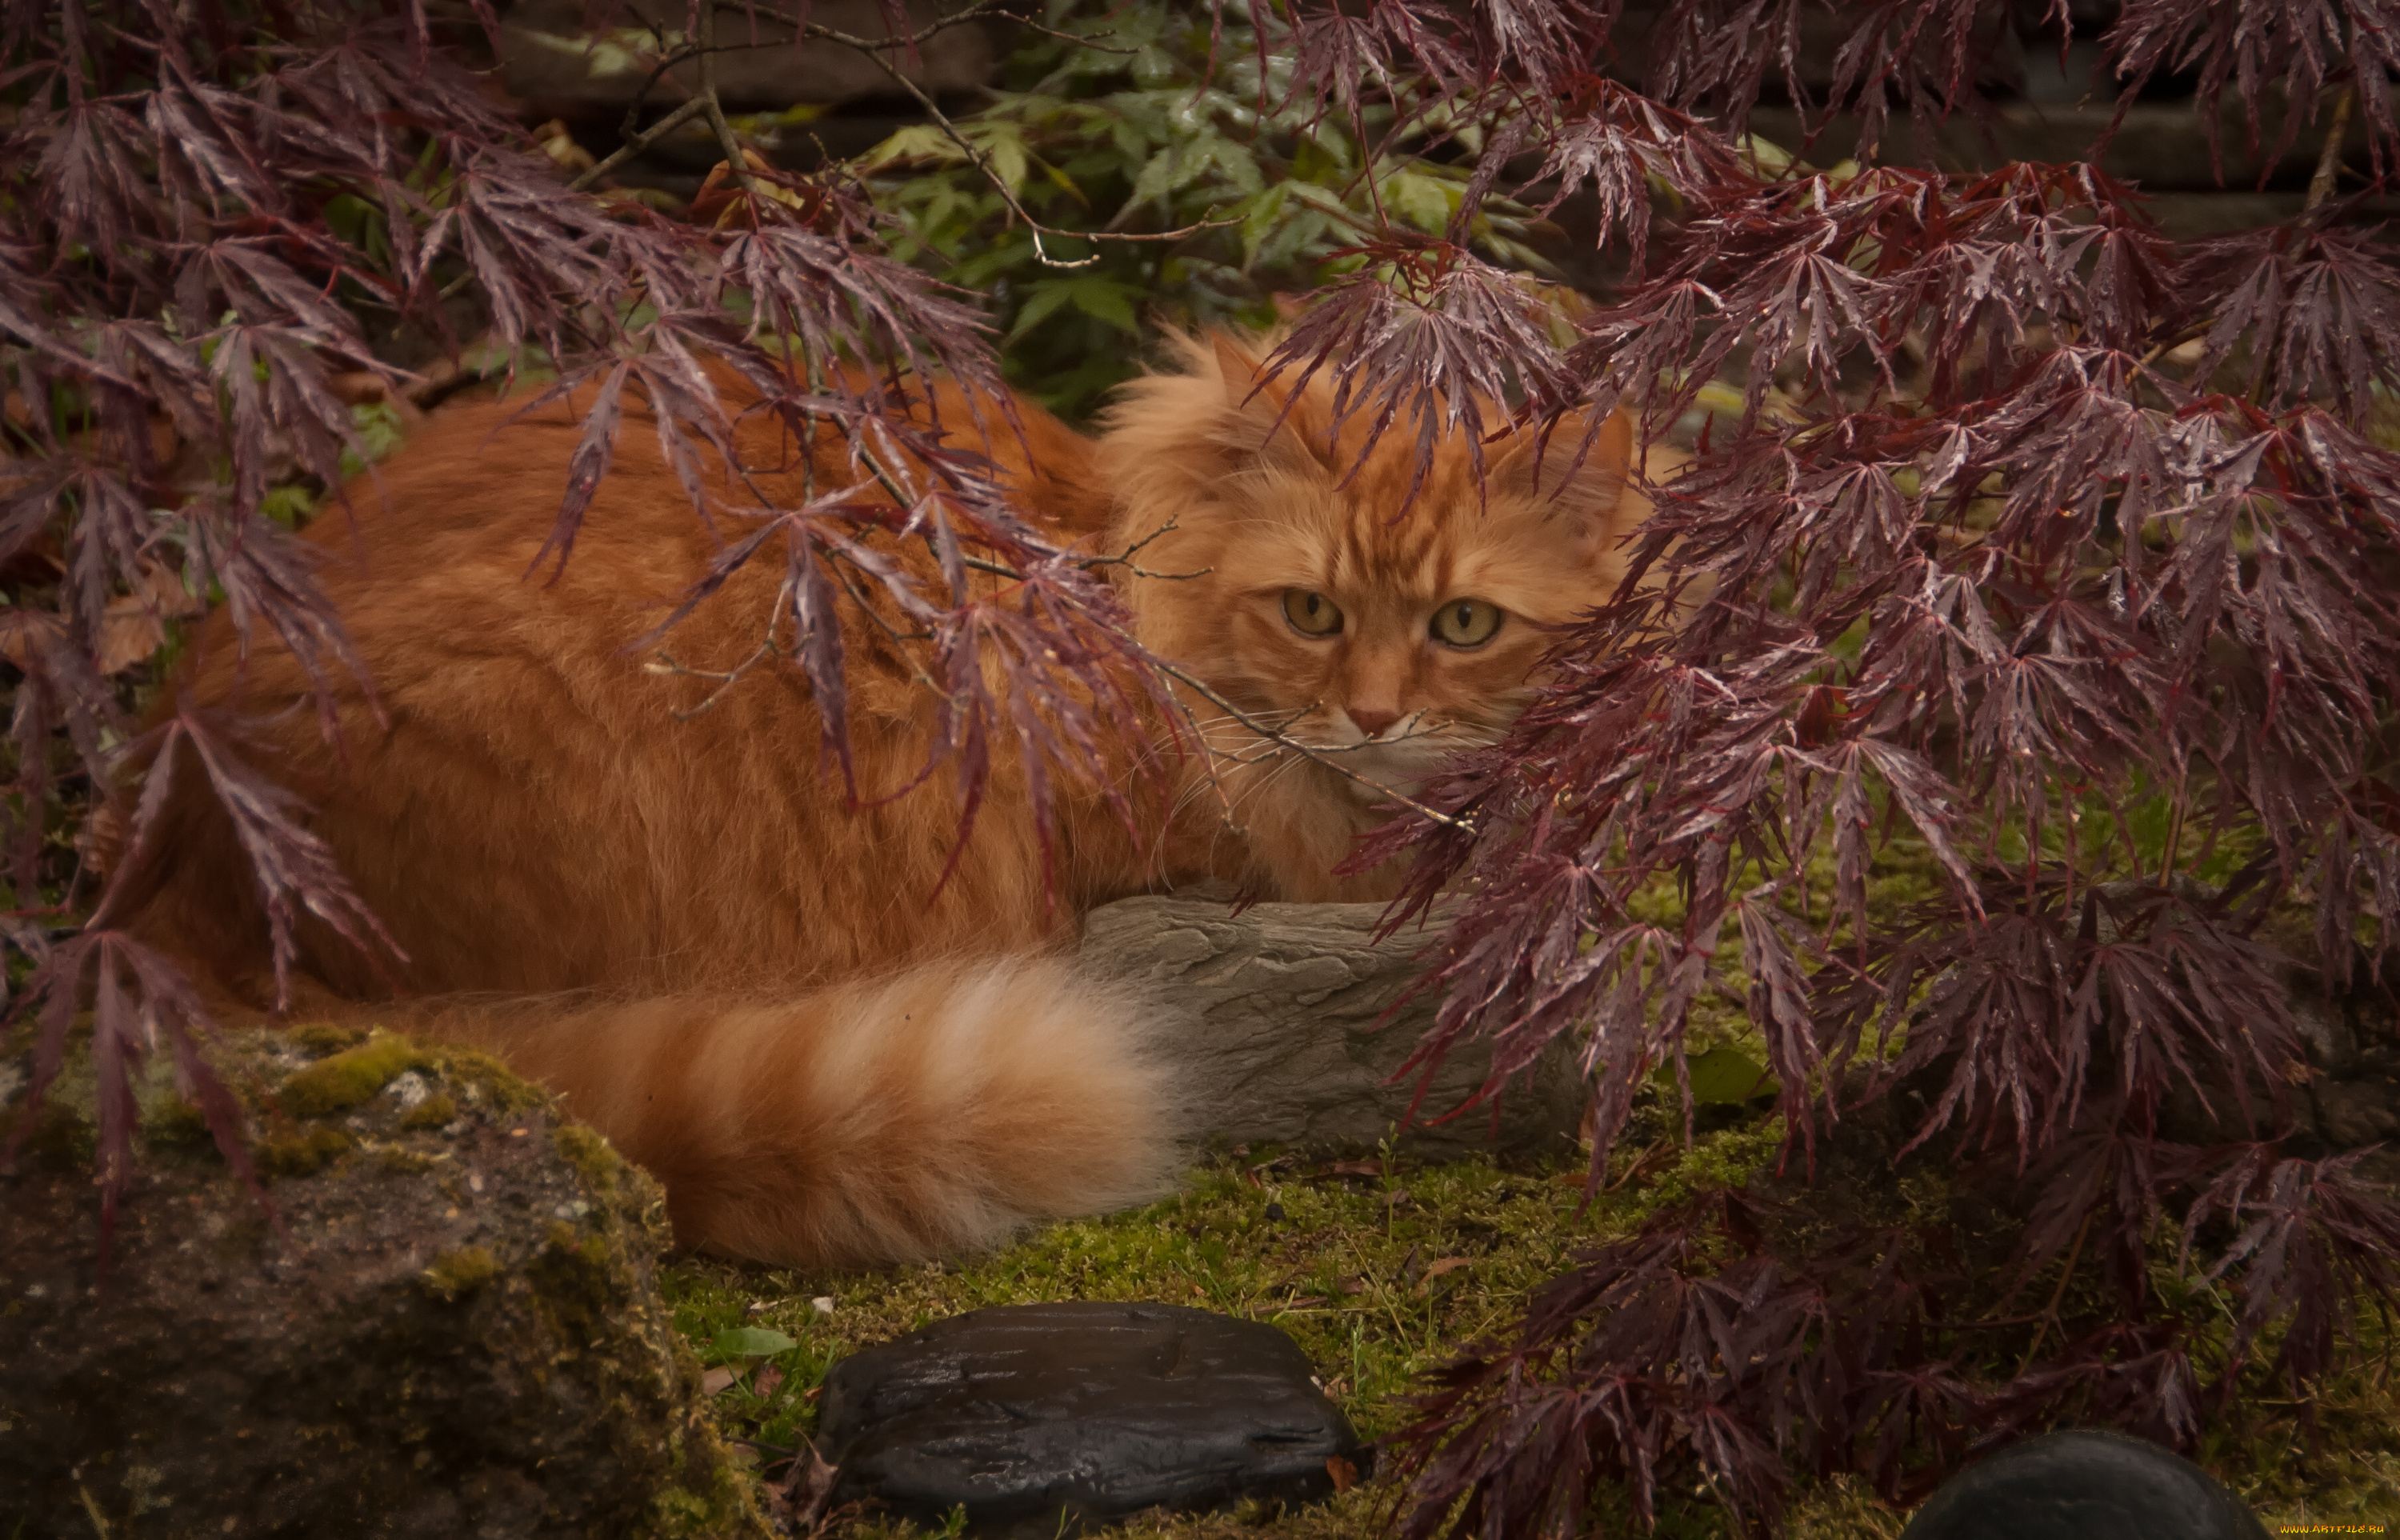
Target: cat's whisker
x,y
1259,785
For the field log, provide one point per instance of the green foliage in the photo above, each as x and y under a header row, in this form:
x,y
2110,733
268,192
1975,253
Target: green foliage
x,y
1150,125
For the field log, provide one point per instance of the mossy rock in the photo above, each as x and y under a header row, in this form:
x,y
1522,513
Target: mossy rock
x,y
449,1324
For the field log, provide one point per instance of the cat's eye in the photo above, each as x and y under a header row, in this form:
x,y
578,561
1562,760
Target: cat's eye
x,y
1465,622
1310,614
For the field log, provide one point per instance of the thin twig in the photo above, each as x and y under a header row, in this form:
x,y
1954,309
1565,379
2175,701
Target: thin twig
x,y
1082,40
1309,751
1321,755
668,58
726,678
641,142
736,165
1126,558
2329,158
906,498
835,35
2049,1314
1007,195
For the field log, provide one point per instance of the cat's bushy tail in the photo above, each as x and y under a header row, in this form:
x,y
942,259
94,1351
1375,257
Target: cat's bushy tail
x,y
883,1120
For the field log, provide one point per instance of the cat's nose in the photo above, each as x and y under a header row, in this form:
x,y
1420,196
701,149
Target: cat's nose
x,y
1372,723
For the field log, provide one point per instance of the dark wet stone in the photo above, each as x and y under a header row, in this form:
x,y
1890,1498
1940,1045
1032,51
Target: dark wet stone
x,y
2083,1486
1025,1412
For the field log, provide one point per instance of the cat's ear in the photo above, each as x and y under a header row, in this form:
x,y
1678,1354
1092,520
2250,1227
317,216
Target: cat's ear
x,y
1261,418
1577,477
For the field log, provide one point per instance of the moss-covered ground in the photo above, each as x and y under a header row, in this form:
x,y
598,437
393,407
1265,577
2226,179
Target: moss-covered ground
x,y
1382,1269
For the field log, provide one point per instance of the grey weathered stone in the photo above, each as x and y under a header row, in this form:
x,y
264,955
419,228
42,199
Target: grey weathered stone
x,y
1038,1417
1271,1015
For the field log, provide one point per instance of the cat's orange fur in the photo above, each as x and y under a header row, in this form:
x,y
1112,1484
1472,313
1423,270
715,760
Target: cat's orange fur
x,y
761,993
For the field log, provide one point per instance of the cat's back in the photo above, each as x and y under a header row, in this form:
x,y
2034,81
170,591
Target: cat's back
x,y
531,792
469,512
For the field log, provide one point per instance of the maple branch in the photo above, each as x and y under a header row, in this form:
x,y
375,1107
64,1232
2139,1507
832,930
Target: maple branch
x,y
633,142
999,184
640,142
665,663
2329,158
894,40
1126,558
736,164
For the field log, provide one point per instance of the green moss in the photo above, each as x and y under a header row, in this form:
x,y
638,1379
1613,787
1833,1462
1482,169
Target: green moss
x,y
1728,1160
404,1163
574,1277
460,1271
438,1110
301,1154
349,1077
589,1154
322,1037
726,1507
494,1083
174,1123
61,1137
1379,1290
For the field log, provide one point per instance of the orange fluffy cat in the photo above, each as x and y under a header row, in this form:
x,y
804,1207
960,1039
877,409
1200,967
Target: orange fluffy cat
x,y
761,993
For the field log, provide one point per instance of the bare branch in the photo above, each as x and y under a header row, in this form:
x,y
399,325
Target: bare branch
x,y
2328,171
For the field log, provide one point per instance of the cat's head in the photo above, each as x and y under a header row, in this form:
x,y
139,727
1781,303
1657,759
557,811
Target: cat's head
x,y
1385,632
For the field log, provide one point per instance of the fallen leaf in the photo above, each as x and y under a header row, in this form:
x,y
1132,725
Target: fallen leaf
x,y
558,143
811,1489
768,1381
1354,1168
1440,1265
751,1341
714,1382
134,624
822,1304
24,632
1345,1474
